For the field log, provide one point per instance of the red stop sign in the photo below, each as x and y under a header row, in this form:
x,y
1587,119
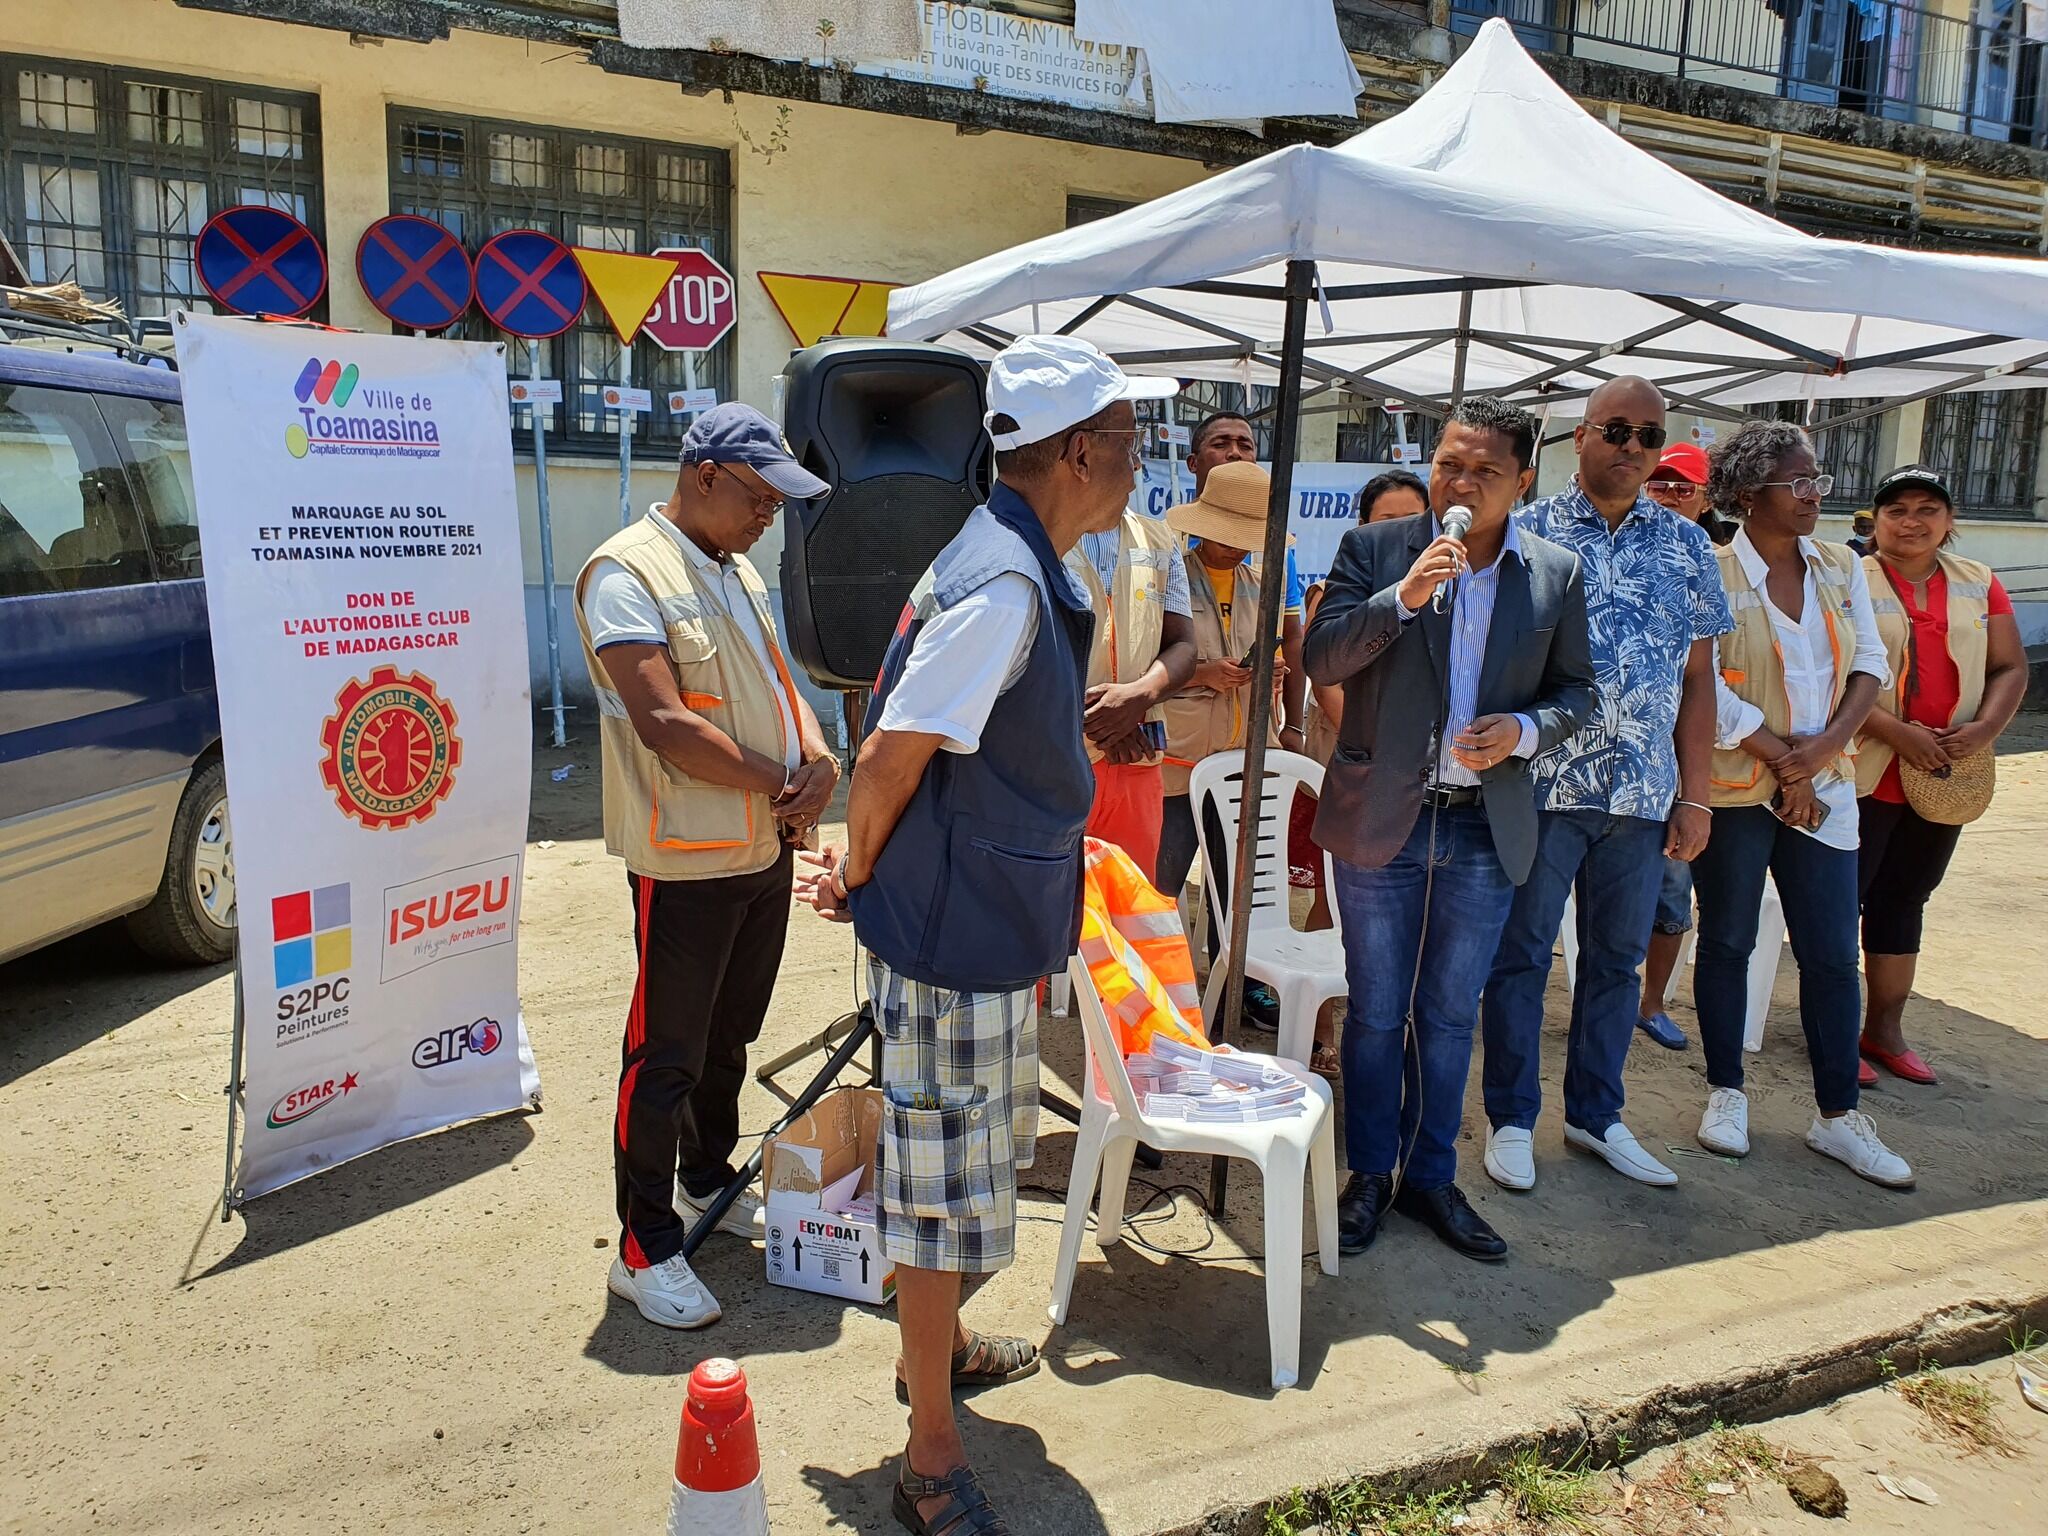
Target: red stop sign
x,y
697,308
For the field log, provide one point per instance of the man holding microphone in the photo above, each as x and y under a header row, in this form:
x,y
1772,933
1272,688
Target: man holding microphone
x,y
963,873
1427,806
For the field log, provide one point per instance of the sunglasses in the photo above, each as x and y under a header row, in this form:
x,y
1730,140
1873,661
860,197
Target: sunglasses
x,y
1617,433
1683,490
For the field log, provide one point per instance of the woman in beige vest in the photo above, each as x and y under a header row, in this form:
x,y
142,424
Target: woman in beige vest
x,y
1797,675
1397,493
1959,672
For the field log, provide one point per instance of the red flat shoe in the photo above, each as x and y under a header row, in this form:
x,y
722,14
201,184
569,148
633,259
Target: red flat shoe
x,y
1906,1064
1866,1075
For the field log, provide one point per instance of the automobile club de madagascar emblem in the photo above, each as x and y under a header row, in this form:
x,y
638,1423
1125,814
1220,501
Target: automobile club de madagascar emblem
x,y
391,749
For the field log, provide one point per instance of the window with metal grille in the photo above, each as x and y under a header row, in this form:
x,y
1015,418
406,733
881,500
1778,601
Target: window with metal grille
x,y
1987,446
108,175
480,178
1849,453
1375,441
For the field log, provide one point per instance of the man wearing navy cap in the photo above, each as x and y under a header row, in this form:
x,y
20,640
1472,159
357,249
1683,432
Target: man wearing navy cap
x,y
714,767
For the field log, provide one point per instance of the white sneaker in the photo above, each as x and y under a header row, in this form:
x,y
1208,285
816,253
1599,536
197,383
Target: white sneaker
x,y
1623,1153
669,1293
743,1218
1852,1139
1510,1157
1724,1128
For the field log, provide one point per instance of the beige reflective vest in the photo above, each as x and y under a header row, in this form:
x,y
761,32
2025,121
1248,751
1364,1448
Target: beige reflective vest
x,y
1969,620
1129,621
1754,668
663,823
1201,722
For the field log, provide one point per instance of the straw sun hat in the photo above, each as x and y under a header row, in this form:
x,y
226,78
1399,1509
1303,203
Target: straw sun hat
x,y
1231,509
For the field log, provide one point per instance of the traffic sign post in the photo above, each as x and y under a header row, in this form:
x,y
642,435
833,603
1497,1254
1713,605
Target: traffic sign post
x,y
414,272
528,283
537,403
253,259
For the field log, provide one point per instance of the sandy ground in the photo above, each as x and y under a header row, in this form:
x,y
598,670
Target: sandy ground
x,y
421,1341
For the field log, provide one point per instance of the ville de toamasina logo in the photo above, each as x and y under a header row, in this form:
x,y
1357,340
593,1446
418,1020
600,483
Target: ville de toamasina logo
x,y
338,413
390,749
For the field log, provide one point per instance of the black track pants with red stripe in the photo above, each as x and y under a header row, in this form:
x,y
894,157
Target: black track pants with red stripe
x,y
709,951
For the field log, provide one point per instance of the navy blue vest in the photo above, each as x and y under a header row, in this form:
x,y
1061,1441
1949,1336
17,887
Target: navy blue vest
x,y
979,887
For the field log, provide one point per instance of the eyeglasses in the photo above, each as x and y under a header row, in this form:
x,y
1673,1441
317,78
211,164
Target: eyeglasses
x,y
1617,433
1135,434
1805,487
769,505
1681,490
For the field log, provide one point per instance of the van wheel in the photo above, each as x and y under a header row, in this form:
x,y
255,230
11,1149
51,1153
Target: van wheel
x,y
191,919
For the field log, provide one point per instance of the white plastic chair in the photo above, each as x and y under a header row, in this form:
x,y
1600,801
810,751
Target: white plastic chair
x,y
1286,1152
1763,960
1305,970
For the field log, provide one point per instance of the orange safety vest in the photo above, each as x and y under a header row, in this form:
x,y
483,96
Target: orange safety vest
x,y
1135,950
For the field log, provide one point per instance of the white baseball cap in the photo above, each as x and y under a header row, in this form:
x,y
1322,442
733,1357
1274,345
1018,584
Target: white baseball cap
x,y
1048,383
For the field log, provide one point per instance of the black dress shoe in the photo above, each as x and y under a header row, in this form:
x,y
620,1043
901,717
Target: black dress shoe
x,y
1360,1208
1448,1214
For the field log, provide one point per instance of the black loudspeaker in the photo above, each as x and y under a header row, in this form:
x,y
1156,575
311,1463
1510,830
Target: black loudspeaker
x,y
895,429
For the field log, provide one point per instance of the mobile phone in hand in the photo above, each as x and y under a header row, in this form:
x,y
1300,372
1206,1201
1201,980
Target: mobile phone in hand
x,y
1250,658
1777,809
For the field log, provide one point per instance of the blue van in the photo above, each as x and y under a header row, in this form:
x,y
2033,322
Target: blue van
x,y
112,798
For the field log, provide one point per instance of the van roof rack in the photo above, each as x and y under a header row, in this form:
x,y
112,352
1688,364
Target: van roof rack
x,y
129,339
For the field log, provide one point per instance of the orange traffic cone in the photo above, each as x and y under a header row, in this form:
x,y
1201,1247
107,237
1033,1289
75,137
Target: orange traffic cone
x,y
718,1462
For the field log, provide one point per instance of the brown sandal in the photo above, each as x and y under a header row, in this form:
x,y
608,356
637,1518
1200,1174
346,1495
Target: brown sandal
x,y
1324,1061
1001,1360
966,1513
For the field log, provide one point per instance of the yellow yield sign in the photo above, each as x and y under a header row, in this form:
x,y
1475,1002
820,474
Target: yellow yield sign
x,y
626,285
816,307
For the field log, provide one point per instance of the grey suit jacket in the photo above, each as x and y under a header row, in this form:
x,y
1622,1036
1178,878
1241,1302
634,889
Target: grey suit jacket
x,y
1537,663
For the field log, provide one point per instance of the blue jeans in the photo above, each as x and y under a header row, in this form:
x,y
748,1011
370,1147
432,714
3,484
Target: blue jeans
x,y
1674,899
1817,888
1400,1092
1617,865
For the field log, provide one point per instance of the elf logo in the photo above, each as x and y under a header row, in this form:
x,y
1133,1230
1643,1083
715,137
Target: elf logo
x,y
478,1039
452,913
301,1102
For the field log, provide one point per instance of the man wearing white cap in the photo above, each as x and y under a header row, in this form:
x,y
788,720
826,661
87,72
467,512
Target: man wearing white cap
x,y
963,873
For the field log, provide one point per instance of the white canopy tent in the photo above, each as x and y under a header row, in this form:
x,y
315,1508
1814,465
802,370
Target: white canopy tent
x,y
1496,238
1492,238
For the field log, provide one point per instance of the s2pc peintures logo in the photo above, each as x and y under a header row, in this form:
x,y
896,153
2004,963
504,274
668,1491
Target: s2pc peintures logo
x,y
338,413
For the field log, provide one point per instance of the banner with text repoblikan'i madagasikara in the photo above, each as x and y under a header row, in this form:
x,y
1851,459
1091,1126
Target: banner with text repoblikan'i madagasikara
x,y
364,592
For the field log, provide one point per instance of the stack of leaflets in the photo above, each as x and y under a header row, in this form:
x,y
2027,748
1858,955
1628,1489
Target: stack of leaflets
x,y
1176,1081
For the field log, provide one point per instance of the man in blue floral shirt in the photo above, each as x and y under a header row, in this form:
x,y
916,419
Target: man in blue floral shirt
x,y
1612,800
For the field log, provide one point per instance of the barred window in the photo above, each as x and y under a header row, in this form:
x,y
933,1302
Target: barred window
x,y
1849,453
481,178
1987,444
108,175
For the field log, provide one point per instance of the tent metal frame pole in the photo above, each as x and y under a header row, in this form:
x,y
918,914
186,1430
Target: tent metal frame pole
x,y
1464,344
1708,315
1597,354
1301,280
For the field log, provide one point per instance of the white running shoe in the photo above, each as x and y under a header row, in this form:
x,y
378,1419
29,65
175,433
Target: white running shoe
x,y
1622,1152
669,1293
1511,1157
1852,1139
743,1218
1724,1128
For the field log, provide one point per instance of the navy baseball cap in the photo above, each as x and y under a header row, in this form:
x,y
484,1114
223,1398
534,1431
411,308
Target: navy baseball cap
x,y
738,434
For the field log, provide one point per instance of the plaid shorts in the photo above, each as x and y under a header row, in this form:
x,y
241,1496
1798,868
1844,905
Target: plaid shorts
x,y
959,1118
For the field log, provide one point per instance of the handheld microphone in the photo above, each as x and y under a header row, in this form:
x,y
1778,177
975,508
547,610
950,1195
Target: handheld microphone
x,y
1457,524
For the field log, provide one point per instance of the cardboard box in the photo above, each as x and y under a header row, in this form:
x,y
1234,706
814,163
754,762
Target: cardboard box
x,y
820,1176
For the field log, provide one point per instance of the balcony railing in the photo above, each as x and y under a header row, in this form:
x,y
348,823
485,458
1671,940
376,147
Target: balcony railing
x,y
1976,73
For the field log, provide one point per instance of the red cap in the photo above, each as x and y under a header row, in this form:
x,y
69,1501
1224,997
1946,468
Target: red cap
x,y
1686,460
717,1450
